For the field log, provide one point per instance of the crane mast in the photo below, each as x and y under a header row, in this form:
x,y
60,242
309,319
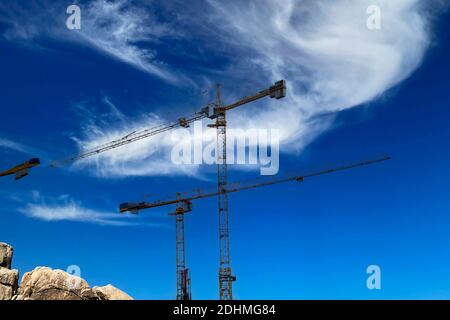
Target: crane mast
x,y
226,278
183,274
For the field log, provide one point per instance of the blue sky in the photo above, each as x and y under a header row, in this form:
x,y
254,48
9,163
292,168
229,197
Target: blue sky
x,y
353,93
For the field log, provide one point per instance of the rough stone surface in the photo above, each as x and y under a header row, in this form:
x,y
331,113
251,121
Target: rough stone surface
x,y
46,284
8,283
6,292
110,292
6,255
9,277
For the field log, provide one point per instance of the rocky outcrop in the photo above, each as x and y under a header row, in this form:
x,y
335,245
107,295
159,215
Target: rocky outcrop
x,y
110,292
8,278
47,284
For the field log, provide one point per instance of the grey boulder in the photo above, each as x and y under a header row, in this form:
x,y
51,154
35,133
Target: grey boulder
x,y
6,255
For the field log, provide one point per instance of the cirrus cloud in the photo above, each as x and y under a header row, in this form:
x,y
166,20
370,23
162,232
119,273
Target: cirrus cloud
x,y
65,208
331,60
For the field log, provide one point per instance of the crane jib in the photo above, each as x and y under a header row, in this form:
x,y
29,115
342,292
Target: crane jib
x,y
277,91
241,186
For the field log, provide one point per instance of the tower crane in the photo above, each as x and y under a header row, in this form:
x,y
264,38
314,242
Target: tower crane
x,y
226,278
183,203
218,112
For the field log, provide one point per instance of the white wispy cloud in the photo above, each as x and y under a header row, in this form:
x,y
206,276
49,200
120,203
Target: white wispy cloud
x,y
65,208
115,28
331,60
147,157
9,144
19,147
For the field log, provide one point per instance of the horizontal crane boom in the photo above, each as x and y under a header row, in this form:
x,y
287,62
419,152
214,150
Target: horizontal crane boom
x,y
240,186
135,136
277,91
